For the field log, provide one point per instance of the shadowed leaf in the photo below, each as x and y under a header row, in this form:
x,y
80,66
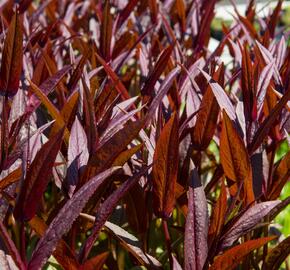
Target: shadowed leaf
x,y
65,218
277,255
106,209
11,247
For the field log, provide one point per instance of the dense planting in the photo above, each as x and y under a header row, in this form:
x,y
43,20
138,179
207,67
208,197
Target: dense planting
x,y
127,142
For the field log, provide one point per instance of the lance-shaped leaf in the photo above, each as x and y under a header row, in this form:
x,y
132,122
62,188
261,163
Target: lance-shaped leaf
x,y
106,209
247,221
95,263
77,73
62,253
51,108
220,95
196,227
11,247
129,242
163,89
231,258
109,151
157,71
11,64
165,168
235,159
106,32
132,244
263,130
118,83
263,83
207,116
280,177
78,154
46,87
65,218
37,178
277,255
176,265
217,219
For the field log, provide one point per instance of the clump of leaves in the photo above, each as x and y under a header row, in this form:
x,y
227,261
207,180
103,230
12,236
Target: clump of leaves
x,y
127,141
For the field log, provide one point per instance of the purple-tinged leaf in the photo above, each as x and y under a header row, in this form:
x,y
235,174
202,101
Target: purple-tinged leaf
x,y
263,83
268,58
37,178
65,218
105,210
6,262
129,242
221,96
122,107
46,87
247,221
62,253
176,265
126,12
163,89
78,154
77,73
158,69
11,247
263,130
115,126
132,244
196,227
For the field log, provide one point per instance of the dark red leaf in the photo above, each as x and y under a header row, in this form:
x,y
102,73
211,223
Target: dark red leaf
x,y
231,258
37,178
11,64
165,168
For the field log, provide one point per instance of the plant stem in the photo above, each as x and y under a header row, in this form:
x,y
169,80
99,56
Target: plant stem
x,y
168,242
